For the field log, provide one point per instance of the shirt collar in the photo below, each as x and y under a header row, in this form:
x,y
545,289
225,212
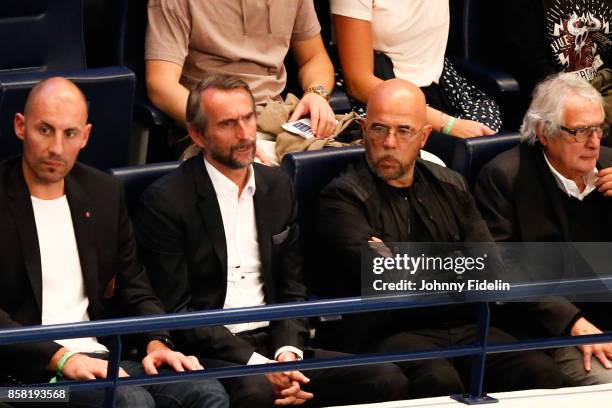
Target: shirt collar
x,y
569,186
225,187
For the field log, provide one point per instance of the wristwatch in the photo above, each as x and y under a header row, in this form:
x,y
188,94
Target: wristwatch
x,y
319,90
164,339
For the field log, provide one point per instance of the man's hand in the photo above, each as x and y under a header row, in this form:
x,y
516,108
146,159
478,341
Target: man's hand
x,y
287,384
465,129
322,119
603,351
159,354
82,367
381,250
604,181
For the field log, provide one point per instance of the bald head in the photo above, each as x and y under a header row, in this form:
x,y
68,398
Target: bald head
x,y
53,129
57,88
398,96
394,130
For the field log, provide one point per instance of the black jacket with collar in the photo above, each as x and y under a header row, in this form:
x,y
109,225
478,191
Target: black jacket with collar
x,y
114,280
181,236
521,202
352,210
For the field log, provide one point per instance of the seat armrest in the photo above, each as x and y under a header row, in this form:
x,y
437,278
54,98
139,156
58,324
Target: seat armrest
x,y
339,102
148,115
467,156
494,82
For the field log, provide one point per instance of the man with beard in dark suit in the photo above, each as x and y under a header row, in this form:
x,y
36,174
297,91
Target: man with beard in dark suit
x,y
220,232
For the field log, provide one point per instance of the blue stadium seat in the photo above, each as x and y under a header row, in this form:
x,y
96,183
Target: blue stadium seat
x,y
310,172
41,35
46,39
467,156
136,179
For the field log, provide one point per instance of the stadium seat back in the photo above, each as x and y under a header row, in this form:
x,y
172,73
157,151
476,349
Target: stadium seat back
x,y
310,172
136,179
470,31
41,35
467,156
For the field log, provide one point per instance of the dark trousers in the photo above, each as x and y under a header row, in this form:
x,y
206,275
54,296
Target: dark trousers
x,y
504,371
195,393
333,386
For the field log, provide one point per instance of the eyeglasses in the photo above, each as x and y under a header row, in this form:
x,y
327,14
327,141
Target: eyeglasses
x,y
402,133
581,134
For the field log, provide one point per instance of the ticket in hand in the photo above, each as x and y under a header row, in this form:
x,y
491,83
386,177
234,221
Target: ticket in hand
x,y
300,128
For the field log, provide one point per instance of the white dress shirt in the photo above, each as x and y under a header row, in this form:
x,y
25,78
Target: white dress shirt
x,y
244,280
569,186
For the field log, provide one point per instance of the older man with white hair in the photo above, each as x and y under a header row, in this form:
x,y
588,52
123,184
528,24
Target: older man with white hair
x,y
556,187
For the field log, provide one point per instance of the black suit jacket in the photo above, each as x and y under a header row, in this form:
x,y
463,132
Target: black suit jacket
x,y
519,198
114,280
180,233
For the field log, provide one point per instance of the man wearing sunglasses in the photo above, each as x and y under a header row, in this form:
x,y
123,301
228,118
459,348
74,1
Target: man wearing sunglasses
x,y
556,186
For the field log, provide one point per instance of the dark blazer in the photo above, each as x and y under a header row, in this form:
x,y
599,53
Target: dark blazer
x,y
180,233
114,280
519,198
521,202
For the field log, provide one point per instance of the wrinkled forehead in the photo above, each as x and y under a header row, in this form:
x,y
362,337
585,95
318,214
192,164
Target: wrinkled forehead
x,y
393,116
62,107
226,99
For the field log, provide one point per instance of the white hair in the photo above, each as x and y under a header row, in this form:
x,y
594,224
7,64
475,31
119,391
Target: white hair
x,y
547,108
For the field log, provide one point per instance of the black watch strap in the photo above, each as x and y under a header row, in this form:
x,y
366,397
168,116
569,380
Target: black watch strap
x,y
164,339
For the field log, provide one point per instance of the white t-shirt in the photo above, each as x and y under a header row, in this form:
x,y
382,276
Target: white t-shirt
x,y
413,33
63,290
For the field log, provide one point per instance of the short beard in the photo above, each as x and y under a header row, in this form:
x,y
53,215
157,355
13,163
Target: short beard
x,y
374,166
229,160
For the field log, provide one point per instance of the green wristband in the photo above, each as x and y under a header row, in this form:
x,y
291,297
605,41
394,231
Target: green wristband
x,y
449,126
62,362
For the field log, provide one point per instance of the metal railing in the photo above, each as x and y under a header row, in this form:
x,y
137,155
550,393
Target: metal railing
x,y
115,328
